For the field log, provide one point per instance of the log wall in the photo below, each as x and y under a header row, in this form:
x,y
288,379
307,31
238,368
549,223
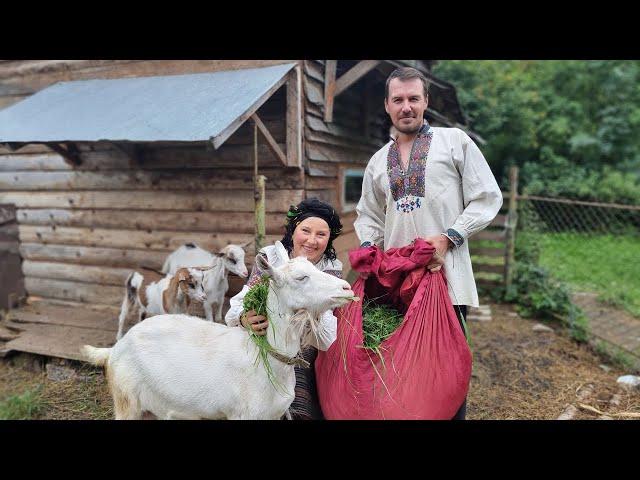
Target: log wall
x,y
83,229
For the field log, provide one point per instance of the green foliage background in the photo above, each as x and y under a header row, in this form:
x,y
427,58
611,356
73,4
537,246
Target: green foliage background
x,y
573,127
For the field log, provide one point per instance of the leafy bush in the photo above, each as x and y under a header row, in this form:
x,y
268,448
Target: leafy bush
x,y
538,294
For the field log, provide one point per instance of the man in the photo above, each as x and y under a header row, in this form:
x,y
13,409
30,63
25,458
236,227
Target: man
x,y
427,182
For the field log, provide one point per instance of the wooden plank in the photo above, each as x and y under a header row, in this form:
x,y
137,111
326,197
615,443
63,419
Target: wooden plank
x,y
58,341
82,316
220,200
490,252
354,74
76,291
273,146
51,161
131,239
220,222
371,145
484,268
499,221
314,70
331,153
76,273
318,183
490,235
329,88
68,152
151,158
294,117
114,257
321,169
170,179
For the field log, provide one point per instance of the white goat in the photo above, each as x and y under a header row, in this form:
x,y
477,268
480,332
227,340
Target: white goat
x,y
171,294
176,366
216,283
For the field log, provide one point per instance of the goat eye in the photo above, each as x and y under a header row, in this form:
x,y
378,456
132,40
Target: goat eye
x,y
233,260
302,278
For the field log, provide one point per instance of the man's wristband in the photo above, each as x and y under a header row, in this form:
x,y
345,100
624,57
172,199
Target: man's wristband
x,y
365,244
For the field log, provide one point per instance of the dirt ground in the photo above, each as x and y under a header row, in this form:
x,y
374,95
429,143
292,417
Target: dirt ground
x,y
522,374
518,374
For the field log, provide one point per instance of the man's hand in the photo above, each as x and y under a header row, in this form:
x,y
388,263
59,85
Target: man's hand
x,y
441,244
258,323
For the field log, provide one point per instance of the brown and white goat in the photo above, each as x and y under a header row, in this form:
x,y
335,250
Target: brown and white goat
x,y
154,295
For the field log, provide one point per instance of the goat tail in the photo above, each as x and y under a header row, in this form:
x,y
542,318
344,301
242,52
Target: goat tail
x,y
96,356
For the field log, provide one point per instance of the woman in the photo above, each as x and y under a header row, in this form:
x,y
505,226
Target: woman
x,y
311,228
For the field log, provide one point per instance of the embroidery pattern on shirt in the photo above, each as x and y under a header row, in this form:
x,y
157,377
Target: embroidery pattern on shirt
x,y
455,237
407,188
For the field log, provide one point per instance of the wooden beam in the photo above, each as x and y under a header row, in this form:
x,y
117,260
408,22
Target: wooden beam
x,y
273,145
70,154
355,74
329,88
294,118
131,151
227,132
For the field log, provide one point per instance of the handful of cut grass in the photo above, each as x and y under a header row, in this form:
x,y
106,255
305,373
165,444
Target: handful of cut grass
x,y
256,300
378,323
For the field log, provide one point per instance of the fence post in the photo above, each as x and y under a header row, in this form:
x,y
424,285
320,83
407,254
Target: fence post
x,y
512,221
258,195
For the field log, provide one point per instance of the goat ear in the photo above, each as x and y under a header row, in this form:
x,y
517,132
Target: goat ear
x,y
246,244
282,253
263,264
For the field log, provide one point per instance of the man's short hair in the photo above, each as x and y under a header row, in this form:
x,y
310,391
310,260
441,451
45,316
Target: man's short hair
x,y
404,74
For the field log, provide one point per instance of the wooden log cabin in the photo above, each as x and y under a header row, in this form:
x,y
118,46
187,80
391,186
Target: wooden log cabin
x,y
131,172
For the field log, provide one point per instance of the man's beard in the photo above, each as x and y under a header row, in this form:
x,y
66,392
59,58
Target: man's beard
x,y
409,129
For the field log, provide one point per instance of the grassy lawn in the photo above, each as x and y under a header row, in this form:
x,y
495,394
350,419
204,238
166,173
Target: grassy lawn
x,y
604,264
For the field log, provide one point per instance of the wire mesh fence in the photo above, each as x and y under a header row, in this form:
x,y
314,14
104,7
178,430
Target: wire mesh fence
x,y
593,247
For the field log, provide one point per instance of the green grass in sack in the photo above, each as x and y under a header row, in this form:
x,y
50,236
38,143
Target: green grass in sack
x,y
378,323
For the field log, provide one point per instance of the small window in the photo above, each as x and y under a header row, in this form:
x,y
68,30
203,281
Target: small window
x,y
352,188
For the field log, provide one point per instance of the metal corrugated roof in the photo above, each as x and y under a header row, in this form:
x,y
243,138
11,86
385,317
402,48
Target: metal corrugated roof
x,y
197,107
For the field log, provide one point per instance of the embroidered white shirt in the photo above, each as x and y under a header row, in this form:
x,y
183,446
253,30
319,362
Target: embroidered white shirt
x,y
460,193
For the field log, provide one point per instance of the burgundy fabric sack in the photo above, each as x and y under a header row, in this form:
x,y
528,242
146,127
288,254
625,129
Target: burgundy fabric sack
x,y
425,367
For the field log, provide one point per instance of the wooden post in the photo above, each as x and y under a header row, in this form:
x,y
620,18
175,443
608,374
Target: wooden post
x,y
329,88
512,221
260,219
258,194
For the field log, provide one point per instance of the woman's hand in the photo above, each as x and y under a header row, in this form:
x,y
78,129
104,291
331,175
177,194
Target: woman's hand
x,y
258,323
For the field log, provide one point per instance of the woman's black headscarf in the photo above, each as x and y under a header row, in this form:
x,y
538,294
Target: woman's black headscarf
x,y
312,207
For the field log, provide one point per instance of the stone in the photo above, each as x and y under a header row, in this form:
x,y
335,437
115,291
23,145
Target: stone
x,y
539,327
60,373
604,367
629,382
513,314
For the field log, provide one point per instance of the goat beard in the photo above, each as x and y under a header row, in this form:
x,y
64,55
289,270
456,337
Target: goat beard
x,y
305,324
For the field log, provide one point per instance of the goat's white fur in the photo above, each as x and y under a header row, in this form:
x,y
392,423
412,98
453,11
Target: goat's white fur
x,y
133,308
176,366
216,283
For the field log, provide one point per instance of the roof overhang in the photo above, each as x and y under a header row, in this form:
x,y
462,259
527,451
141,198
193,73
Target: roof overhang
x,y
176,108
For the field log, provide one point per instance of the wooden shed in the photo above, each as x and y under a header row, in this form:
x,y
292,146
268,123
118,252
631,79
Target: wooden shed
x,y
124,161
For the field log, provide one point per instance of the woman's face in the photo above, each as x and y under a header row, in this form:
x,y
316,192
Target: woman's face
x,y
310,238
